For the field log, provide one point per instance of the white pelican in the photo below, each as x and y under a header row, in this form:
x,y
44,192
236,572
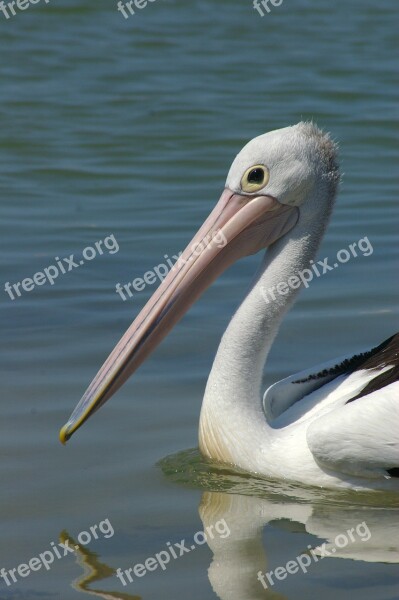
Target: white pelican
x,y
336,425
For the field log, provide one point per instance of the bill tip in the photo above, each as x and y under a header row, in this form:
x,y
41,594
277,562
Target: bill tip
x,y
64,436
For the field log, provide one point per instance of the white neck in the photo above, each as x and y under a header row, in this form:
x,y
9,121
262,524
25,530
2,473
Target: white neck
x,y
231,410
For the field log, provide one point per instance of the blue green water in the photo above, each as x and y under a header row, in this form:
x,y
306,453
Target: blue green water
x,y
127,127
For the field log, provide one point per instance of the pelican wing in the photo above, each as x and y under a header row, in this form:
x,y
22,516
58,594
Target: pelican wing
x,y
284,393
361,437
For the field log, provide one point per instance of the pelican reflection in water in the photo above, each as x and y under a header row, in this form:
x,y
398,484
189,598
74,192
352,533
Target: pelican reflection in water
x,y
240,558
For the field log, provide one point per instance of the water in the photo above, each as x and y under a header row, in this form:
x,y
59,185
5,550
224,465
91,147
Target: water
x,y
127,128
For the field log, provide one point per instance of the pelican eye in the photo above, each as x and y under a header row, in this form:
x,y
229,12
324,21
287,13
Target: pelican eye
x,y
255,178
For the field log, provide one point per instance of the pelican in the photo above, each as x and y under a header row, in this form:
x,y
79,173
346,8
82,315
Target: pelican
x,y
336,425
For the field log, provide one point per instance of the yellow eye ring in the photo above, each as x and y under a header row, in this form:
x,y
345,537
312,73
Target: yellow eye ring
x,y
254,178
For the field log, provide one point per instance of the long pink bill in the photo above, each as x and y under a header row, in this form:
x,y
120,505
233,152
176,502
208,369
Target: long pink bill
x,y
238,225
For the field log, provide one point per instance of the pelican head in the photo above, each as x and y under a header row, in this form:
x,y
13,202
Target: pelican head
x,y
278,180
